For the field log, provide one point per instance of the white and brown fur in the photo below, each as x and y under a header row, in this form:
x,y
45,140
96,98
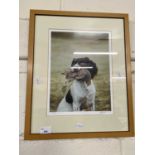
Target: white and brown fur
x,y
81,95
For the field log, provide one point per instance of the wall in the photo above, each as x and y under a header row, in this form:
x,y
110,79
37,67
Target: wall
x,y
98,146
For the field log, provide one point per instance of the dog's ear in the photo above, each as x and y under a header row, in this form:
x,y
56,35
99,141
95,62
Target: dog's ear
x,y
75,60
93,71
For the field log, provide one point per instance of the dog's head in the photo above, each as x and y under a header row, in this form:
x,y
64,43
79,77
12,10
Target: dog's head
x,y
82,69
87,64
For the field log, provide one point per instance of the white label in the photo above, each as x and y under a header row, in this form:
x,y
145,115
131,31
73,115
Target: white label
x,y
45,130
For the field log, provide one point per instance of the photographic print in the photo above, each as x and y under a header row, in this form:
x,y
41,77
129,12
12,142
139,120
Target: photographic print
x,y
79,71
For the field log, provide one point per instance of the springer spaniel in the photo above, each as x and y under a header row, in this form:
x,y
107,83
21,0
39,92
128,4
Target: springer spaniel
x,y
81,95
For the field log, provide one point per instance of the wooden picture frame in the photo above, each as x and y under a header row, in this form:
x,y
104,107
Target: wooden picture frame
x,y
32,82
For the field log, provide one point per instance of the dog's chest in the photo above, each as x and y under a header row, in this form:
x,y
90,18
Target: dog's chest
x,y
78,89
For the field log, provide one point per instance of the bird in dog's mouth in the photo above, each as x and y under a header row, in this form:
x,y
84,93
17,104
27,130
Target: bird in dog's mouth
x,y
79,72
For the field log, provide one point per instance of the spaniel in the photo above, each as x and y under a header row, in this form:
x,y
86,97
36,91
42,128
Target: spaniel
x,y
81,95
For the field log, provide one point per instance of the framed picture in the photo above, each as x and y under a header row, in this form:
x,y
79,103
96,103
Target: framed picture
x,y
79,76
